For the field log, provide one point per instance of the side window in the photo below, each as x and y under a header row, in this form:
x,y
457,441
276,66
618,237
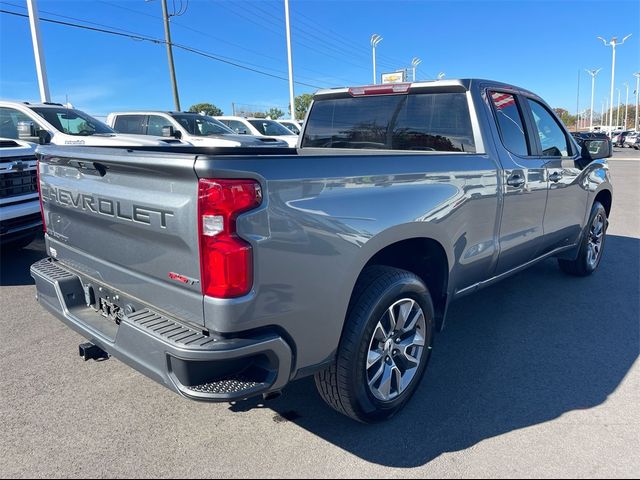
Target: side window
x,y
155,124
552,136
510,123
16,125
236,126
133,124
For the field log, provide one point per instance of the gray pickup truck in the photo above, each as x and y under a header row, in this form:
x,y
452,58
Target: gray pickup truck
x,y
228,273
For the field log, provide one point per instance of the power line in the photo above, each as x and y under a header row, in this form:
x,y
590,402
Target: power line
x,y
322,47
218,39
308,28
159,42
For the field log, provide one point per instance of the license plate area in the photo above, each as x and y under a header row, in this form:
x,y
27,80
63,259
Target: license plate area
x,y
110,310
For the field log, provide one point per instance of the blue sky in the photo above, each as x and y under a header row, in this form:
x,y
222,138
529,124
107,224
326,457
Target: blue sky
x,y
538,45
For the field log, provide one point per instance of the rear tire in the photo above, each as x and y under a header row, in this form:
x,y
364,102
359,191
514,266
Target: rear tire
x,y
591,246
385,346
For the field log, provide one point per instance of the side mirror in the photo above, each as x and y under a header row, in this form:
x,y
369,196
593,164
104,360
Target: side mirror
x,y
44,137
168,131
177,134
594,149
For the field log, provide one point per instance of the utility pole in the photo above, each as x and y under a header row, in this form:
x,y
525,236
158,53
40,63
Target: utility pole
x,y
292,105
38,53
593,74
172,70
375,40
612,43
626,105
637,75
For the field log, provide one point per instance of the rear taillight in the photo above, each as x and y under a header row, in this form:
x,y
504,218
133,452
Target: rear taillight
x,y
226,261
44,224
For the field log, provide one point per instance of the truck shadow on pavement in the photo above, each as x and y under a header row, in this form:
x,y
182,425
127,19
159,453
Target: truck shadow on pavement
x,y
516,354
15,264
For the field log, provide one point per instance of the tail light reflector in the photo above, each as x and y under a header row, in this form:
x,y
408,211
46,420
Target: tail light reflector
x,y
226,260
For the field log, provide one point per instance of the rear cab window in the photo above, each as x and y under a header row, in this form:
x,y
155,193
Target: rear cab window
x,y
438,122
133,124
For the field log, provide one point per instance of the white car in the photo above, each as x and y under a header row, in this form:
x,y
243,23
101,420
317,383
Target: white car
x,y
261,127
198,130
54,123
20,219
293,125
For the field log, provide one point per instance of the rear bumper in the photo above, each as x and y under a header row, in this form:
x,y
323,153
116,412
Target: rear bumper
x,y
185,359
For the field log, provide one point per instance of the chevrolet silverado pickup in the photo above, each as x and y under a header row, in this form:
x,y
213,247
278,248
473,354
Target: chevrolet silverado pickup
x,y
228,273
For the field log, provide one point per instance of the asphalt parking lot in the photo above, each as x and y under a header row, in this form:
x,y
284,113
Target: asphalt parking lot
x,y
536,376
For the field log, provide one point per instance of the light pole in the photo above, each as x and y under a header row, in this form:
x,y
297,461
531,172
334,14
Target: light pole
x,y
415,62
441,75
292,105
375,40
626,105
41,70
602,113
637,75
593,74
612,43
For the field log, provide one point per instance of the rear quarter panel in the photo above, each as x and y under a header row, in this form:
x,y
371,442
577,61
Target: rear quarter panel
x,y
324,216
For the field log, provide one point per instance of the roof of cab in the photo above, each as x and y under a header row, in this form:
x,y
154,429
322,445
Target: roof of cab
x,y
447,84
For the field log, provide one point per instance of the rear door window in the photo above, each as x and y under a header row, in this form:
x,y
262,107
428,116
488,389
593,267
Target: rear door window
x,y
510,124
422,122
134,124
236,126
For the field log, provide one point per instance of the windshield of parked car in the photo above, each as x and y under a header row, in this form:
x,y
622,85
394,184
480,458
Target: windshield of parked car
x,y
72,122
202,125
270,127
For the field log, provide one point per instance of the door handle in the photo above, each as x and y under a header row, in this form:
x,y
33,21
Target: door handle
x,y
555,176
515,180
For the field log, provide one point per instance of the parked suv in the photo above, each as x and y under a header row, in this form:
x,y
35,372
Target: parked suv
x,y
261,127
20,219
57,124
198,130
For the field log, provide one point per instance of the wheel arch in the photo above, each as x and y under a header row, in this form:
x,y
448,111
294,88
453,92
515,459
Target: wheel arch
x,y
425,256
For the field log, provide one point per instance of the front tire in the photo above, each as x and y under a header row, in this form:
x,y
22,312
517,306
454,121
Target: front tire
x,y
385,346
591,247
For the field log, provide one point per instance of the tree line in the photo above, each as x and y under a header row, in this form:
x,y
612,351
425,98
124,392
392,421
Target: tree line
x,y
570,120
301,102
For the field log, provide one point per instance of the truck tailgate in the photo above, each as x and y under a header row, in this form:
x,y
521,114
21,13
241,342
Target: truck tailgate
x,y
127,220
